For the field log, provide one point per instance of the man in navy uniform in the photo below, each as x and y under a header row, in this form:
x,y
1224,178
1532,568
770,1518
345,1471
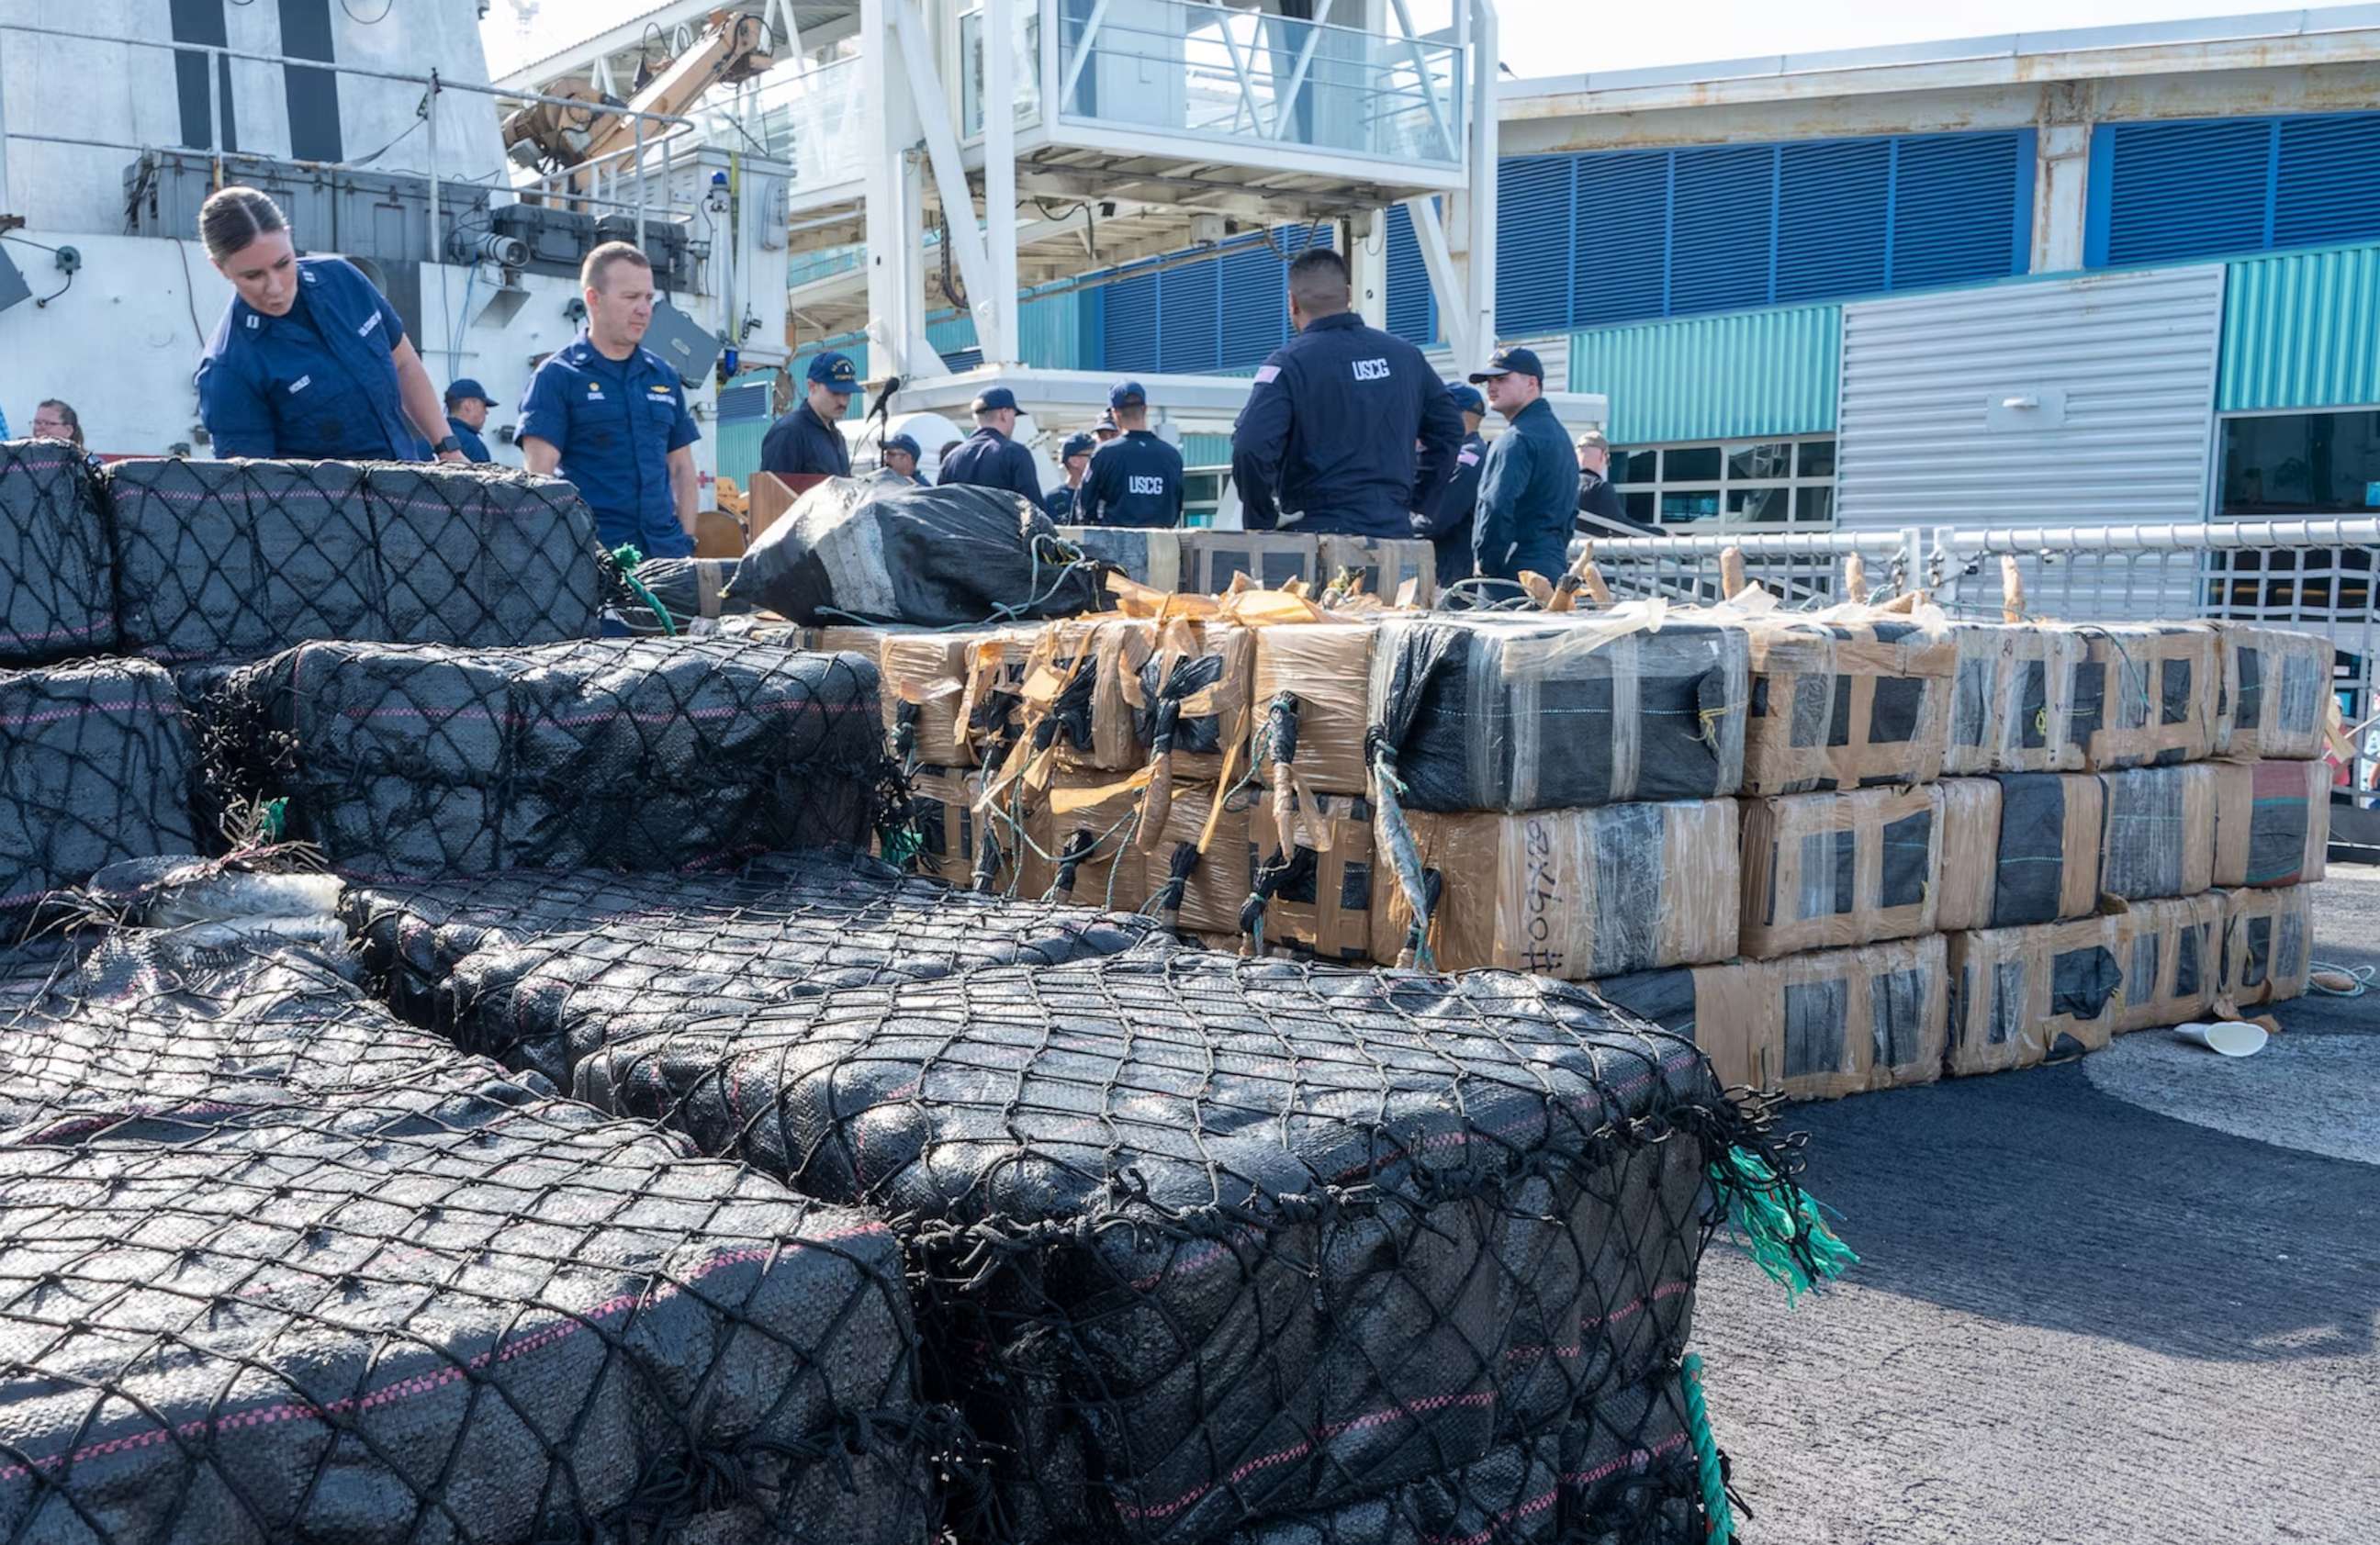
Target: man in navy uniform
x,y
1528,486
1135,480
901,460
1075,459
988,458
1330,427
610,415
1105,429
807,438
1447,521
467,414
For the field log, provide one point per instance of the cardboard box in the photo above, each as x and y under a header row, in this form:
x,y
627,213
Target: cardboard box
x,y
2144,695
1269,558
1845,705
1316,897
1112,693
941,805
1810,1027
2019,996
2267,945
2160,832
1971,848
2171,956
1072,840
2045,864
2276,690
2272,823
1327,668
1830,871
1188,886
949,696
1147,555
838,638
1573,894
2012,700
1386,566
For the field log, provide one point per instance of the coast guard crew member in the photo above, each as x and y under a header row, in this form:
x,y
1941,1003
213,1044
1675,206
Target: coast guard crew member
x,y
988,459
1135,480
807,438
610,415
1447,520
1330,427
310,361
1065,499
467,414
1528,487
901,459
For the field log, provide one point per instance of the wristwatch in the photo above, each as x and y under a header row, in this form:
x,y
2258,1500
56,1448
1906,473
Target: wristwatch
x,y
449,443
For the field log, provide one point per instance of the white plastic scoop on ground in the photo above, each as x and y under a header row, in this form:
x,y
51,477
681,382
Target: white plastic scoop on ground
x,y
2230,1037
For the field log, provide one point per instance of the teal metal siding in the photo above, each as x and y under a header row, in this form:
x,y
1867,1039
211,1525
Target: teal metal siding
x,y
2302,330
1051,329
1206,450
1728,377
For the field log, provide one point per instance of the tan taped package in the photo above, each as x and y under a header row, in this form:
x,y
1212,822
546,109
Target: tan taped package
x,y
2272,823
2159,832
1195,875
2171,956
1326,669
1855,703
1110,693
1811,1027
1315,896
1145,555
2012,700
1829,871
2144,695
1573,894
1269,558
2267,945
1402,573
948,695
1971,847
2021,996
838,638
2277,687
943,814
1073,839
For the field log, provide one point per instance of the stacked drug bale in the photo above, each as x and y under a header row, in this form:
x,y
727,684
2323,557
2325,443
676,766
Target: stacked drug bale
x,y
953,705
1209,562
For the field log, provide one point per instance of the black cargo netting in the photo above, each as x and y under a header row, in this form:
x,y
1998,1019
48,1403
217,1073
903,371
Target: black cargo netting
x,y
234,559
273,1267
98,766
1206,1244
538,970
618,753
60,595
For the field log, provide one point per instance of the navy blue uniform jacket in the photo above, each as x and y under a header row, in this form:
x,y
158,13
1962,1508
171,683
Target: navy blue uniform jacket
x,y
1133,481
474,448
802,442
1448,519
616,421
319,383
1528,497
990,460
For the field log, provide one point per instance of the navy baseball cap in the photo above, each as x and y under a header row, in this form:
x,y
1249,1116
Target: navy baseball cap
x,y
1511,362
466,390
902,443
1078,445
991,399
1126,394
1467,399
1107,420
834,370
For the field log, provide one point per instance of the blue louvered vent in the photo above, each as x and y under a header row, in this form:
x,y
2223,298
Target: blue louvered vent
x,y
1718,228
2164,191
749,401
958,360
1226,312
1413,309
1130,333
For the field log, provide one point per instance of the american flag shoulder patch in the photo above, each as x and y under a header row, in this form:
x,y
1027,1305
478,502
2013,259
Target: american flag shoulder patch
x,y
1268,373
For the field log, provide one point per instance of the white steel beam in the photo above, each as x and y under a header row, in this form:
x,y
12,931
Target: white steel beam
x,y
1285,104
1083,46
1478,325
995,304
931,102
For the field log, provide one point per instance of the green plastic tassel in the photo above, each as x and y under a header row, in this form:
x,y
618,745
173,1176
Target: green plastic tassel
x,y
1720,1517
273,820
626,556
1777,1225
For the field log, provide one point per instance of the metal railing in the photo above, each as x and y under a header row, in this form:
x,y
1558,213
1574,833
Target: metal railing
x,y
813,120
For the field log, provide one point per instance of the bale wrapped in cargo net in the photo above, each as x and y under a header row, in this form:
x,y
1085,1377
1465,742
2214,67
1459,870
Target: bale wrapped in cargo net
x,y
869,551
98,765
60,595
619,753
250,1298
236,560
1218,1248
533,969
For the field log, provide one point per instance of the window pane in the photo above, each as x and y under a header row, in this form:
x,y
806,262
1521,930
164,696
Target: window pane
x,y
1639,506
1815,506
1817,458
1691,464
1635,467
1759,504
1678,507
2301,463
1774,460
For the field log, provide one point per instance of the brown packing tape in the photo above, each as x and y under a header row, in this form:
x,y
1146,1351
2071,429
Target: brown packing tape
x,y
1328,668
1337,924
1814,678
2017,991
2160,687
1800,851
2171,957
1831,1022
936,674
1220,831
1093,806
2267,945
1971,848
1573,894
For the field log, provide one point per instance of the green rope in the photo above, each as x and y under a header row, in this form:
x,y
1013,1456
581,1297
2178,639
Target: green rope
x,y
902,844
627,557
273,820
1718,1518
1778,1224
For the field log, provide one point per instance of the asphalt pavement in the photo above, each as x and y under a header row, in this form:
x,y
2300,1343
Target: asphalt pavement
x,y
2130,1300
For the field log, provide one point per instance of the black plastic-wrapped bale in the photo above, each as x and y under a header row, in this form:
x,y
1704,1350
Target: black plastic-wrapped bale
x,y
875,550
537,969
624,753
1538,713
238,558
1206,1242
99,765
60,595
688,588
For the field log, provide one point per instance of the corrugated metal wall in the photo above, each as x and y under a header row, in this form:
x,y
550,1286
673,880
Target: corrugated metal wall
x,y
2120,366
1714,377
2302,330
